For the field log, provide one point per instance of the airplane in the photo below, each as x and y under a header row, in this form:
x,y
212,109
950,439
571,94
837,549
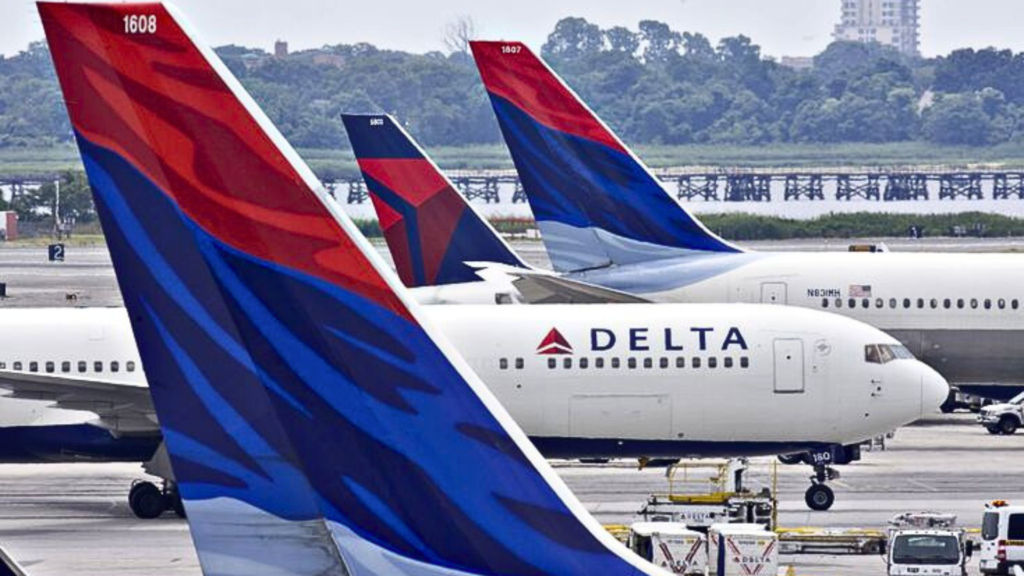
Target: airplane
x,y
201,239
606,220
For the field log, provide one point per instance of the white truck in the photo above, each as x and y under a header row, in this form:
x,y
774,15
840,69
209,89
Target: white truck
x,y
926,543
670,545
742,549
1003,418
1002,538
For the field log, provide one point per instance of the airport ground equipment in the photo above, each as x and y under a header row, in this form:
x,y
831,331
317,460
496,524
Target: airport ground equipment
x,y
704,493
1002,538
926,543
1003,418
742,549
669,545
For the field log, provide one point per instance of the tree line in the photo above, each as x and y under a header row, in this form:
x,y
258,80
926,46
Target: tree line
x,y
654,85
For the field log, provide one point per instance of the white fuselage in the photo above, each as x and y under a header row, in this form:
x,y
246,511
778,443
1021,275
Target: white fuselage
x,y
963,314
622,379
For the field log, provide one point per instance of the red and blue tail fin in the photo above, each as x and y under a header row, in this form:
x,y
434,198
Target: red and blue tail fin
x,y
430,228
595,202
315,423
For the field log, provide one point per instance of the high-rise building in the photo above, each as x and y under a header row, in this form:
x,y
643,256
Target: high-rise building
x,y
890,22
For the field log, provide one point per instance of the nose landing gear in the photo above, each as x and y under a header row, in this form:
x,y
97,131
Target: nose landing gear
x,y
819,496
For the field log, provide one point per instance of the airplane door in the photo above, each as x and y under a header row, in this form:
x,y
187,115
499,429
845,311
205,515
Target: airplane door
x,y
789,365
773,292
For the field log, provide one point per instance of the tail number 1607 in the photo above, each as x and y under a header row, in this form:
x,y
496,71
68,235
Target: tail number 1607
x,y
140,24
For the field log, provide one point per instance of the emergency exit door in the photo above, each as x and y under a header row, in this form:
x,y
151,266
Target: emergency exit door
x,y
789,365
773,292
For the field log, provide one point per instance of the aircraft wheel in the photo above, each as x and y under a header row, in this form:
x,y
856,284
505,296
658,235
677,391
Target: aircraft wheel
x,y
1007,425
819,497
146,501
790,459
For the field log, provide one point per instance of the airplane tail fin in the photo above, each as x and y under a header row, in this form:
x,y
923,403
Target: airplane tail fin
x,y
595,202
431,230
316,424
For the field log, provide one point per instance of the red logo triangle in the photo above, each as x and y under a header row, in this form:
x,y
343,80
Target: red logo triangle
x,y
554,343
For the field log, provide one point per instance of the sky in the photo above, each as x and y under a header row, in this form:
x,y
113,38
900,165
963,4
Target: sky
x,y
781,27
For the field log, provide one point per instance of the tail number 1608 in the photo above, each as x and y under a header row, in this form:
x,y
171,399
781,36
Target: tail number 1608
x,y
140,24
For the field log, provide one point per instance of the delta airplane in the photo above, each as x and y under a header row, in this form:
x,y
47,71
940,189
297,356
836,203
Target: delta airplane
x,y
259,315
607,221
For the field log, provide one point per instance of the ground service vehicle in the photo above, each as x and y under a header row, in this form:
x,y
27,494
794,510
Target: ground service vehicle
x,y
1002,538
1003,418
926,543
670,545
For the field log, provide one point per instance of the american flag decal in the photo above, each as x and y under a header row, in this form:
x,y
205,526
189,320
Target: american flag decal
x,y
860,291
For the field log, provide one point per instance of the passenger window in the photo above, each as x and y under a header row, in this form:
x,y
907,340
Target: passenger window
x,y
33,366
65,366
567,363
865,303
130,365
648,363
598,362
839,302
552,363
680,362
17,365
584,362
946,303
1014,303
934,303
960,303
744,362
695,362
3,365
97,366
615,362
50,367
871,355
82,366
906,302
920,302
879,303
852,303
1001,303
631,363
988,304
115,366
503,364
663,363
713,362
728,361
824,302
892,302
974,302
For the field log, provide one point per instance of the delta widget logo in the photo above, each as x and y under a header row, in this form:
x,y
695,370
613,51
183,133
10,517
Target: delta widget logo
x,y
553,344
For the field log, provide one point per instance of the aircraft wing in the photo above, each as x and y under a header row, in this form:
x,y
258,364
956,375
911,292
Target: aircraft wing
x,y
121,407
543,287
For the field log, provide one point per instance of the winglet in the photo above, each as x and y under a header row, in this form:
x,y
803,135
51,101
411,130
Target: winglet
x,y
430,228
316,423
595,202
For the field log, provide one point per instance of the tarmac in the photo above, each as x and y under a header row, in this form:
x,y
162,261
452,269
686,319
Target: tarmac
x,y
59,519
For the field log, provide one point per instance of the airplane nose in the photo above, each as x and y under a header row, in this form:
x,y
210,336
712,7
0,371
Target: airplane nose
x,y
934,390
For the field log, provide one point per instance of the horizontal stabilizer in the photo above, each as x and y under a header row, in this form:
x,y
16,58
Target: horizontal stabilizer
x,y
541,287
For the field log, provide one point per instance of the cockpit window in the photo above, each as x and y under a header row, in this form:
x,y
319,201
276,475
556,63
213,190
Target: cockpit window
x,y
885,353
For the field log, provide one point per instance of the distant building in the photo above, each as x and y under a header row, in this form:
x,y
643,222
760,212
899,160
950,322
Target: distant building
x,y
281,49
797,62
893,23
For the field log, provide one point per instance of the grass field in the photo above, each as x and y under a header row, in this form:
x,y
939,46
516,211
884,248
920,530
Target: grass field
x,y
340,163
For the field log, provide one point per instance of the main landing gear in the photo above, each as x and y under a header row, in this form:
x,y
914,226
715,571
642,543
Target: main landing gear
x,y
148,501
